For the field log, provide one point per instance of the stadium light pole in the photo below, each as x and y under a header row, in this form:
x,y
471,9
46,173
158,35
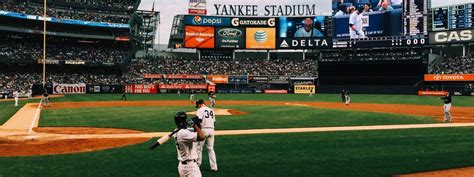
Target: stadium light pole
x,y
44,44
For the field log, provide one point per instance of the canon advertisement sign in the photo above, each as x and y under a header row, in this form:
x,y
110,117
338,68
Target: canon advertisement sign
x,y
453,36
69,88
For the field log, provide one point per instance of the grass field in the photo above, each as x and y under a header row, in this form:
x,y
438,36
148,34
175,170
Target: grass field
x,y
357,153
352,153
160,118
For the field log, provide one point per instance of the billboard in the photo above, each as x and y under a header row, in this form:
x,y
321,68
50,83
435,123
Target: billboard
x,y
233,38
141,88
305,89
199,37
449,77
197,7
260,38
452,36
69,88
253,22
200,20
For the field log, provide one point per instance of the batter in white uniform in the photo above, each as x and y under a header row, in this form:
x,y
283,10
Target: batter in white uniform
x,y
186,146
207,117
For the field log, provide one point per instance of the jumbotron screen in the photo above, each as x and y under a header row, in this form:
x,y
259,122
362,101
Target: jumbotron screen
x,y
453,17
372,22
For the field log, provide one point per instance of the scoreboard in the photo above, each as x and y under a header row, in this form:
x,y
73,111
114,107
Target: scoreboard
x,y
453,17
414,17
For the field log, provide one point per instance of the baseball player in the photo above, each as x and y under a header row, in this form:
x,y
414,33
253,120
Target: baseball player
x,y
191,96
343,95
124,96
207,117
15,95
186,147
46,97
347,98
212,99
447,108
355,24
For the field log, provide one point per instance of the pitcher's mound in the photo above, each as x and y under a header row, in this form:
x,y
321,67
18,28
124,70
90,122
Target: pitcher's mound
x,y
224,112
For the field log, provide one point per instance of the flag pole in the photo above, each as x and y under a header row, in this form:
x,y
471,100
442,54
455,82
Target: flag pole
x,y
44,43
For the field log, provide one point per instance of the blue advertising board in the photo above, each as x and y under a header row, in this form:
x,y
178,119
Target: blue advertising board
x,y
198,20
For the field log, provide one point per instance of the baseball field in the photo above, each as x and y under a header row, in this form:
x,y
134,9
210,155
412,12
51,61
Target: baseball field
x,y
257,135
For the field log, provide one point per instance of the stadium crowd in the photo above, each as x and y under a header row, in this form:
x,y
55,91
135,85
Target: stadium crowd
x,y
67,13
455,65
374,55
30,50
287,67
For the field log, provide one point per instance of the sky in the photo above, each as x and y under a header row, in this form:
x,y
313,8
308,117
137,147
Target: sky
x,y
169,8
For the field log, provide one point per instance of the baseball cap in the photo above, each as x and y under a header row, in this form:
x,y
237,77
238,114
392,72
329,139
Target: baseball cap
x,y
199,102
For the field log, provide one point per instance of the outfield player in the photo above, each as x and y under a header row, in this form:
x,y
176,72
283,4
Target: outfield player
x,y
447,108
186,147
207,117
355,24
191,96
212,99
343,96
347,98
45,97
15,95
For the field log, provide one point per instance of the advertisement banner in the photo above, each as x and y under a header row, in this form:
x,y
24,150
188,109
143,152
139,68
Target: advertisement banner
x,y
453,36
432,93
233,38
199,37
238,80
260,79
197,7
449,77
141,88
304,43
182,76
218,79
254,22
275,91
182,86
260,38
153,76
305,89
199,20
104,89
69,88
279,80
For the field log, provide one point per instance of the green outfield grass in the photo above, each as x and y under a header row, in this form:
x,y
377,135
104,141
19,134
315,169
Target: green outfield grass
x,y
160,118
354,153
355,98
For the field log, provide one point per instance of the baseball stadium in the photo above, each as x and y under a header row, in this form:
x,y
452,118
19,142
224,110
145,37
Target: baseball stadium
x,y
261,88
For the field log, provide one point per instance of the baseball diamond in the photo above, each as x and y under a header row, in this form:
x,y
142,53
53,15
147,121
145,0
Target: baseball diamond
x,y
238,88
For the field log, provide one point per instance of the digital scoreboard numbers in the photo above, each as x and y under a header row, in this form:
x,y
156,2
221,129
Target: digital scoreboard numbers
x,y
453,17
415,20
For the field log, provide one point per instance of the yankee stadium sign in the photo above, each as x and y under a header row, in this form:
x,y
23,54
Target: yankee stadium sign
x,y
269,7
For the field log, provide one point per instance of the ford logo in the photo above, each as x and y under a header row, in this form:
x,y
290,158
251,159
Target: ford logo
x,y
230,32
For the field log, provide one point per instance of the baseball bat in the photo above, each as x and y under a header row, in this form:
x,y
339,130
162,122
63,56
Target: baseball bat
x,y
163,139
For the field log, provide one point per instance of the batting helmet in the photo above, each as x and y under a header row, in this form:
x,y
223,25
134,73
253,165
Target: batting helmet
x,y
180,119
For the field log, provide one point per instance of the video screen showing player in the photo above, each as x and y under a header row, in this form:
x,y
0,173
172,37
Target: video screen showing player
x,y
298,27
370,18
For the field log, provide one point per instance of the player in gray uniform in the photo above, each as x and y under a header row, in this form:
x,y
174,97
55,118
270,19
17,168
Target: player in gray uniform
x,y
186,147
212,99
447,108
